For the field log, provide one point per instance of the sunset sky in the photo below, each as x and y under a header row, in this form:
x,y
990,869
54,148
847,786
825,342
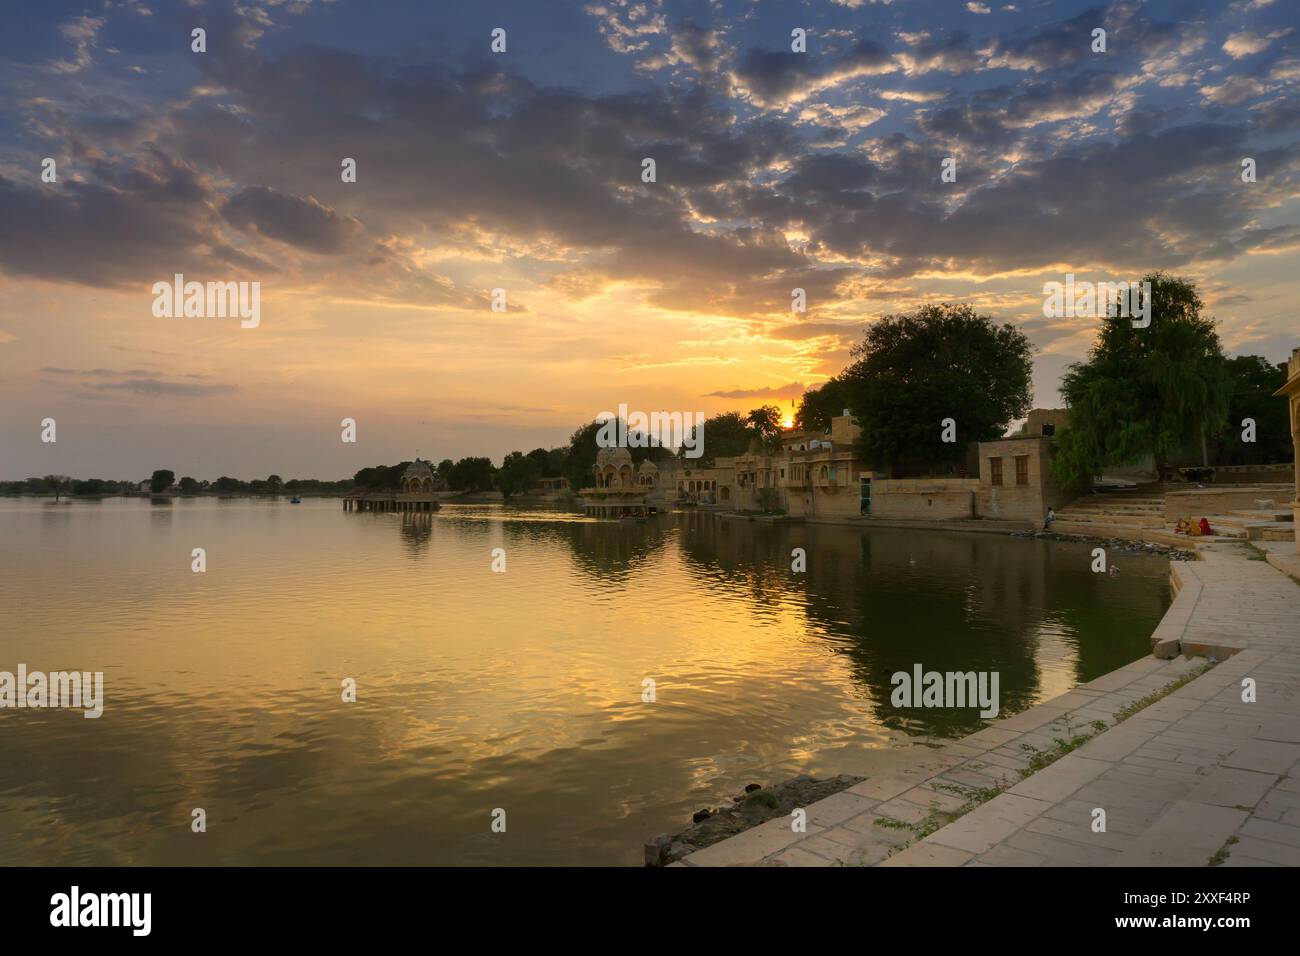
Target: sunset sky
x,y
522,171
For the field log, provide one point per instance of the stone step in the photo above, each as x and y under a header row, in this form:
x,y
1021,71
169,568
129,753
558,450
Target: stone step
x,y
1265,514
1140,521
1123,499
1117,509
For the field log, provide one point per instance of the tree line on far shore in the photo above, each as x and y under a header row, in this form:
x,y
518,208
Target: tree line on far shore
x,y
1167,390
728,434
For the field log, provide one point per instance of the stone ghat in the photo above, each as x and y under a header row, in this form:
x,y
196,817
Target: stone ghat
x,y
1188,771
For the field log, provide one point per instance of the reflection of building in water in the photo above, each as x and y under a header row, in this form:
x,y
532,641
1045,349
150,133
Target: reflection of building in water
x,y
417,491
417,529
609,551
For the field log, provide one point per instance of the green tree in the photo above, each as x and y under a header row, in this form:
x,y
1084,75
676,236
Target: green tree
x,y
543,460
188,485
1253,380
556,459
518,472
1144,391
472,474
274,483
766,423
727,435
162,480
582,456
59,484
380,477
444,470
820,405
918,368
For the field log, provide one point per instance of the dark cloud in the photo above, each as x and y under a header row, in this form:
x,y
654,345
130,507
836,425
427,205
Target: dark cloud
x,y
776,77
793,390
299,221
953,53
800,331
155,388
1064,43
106,235
95,372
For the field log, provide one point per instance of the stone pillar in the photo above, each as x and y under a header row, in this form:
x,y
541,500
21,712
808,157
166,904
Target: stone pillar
x,y
1291,391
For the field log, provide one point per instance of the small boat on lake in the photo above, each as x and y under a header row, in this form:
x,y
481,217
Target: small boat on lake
x,y
295,500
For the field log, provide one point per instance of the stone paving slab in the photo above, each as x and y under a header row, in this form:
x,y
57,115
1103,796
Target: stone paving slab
x,y
1188,834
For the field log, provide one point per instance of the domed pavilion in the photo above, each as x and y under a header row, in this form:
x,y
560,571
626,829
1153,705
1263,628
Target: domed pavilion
x,y
621,488
416,491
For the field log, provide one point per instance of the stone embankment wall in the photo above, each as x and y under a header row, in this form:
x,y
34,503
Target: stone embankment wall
x,y
934,499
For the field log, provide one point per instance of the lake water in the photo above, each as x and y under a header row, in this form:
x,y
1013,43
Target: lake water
x,y
478,690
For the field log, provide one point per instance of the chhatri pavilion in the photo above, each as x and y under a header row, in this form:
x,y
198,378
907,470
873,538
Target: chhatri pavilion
x,y
417,490
621,488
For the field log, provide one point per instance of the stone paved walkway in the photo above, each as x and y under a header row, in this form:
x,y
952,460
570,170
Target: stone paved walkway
x,y
1196,774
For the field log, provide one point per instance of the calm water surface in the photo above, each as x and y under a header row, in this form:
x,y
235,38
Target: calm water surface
x,y
478,690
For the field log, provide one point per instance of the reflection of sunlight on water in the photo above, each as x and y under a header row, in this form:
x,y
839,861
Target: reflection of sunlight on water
x,y
505,513
477,689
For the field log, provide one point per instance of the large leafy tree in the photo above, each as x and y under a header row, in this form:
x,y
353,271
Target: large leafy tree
x,y
766,423
518,472
727,435
161,480
916,369
550,462
472,474
1144,391
582,456
821,404
60,485
1253,380
380,477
